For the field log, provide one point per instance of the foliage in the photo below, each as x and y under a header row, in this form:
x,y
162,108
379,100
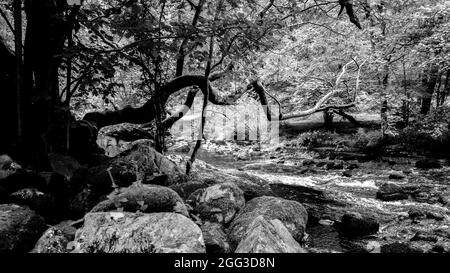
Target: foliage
x,y
315,139
431,133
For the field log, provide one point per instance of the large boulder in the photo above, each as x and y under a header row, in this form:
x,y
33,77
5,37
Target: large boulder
x,y
125,232
356,225
216,241
140,162
268,236
186,189
56,239
103,178
251,185
144,198
20,228
291,213
147,161
218,203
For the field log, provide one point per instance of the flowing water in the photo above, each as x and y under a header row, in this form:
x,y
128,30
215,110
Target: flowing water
x,y
328,193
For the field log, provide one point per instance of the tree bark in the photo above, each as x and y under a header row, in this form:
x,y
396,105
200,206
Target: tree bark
x,y
430,85
147,112
328,119
8,99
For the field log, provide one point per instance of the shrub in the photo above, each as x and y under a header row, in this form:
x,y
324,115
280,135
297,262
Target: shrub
x,y
430,133
314,139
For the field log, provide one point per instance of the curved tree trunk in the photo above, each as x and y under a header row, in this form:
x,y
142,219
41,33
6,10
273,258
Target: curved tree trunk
x,y
147,112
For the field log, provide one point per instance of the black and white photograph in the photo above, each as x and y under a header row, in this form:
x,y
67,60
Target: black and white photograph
x,y
225,133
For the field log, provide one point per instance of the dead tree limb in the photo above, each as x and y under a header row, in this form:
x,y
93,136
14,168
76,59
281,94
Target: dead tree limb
x,y
320,105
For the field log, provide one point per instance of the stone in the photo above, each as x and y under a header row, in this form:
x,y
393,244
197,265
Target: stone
x,y
415,213
20,228
347,173
420,236
186,189
252,185
157,179
435,215
218,203
390,192
216,240
352,166
291,213
42,203
308,162
144,198
268,236
428,163
334,166
443,200
399,247
321,164
56,239
421,196
147,160
356,225
125,232
397,176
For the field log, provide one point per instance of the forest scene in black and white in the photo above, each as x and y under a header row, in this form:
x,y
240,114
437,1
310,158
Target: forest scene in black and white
x,y
224,126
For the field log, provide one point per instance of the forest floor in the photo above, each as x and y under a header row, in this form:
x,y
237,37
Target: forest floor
x,y
333,180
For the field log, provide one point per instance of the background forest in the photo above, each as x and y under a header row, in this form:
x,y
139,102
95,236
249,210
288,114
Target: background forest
x,y
97,96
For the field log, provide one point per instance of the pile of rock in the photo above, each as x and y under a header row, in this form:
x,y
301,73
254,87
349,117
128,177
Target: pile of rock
x,y
141,202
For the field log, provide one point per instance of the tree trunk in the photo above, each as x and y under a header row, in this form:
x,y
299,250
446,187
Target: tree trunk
x,y
430,86
446,90
8,101
147,112
328,119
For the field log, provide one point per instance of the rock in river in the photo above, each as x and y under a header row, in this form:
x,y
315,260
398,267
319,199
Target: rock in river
x,y
291,213
125,232
216,240
356,225
218,203
391,192
144,198
268,236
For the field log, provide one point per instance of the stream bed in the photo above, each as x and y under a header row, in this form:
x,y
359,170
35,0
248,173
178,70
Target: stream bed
x,y
330,187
